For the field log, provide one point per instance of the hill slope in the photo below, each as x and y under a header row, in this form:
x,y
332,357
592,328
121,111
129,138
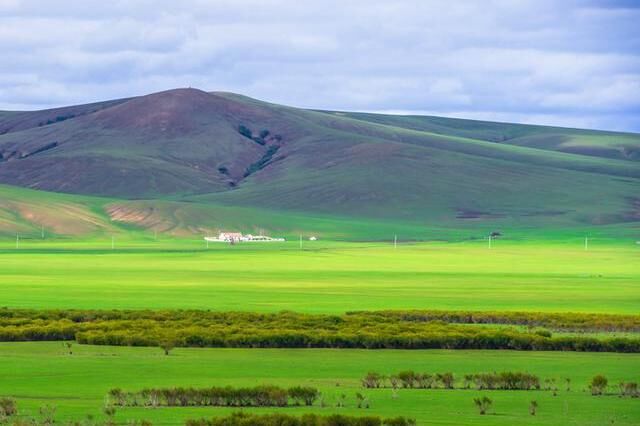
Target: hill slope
x,y
196,148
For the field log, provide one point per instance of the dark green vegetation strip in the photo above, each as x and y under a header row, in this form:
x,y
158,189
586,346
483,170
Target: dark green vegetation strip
x,y
247,419
370,330
409,379
563,321
258,396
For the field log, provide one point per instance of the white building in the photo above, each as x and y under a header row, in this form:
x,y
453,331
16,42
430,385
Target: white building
x,y
236,237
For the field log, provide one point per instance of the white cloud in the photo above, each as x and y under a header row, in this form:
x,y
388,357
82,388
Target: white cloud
x,y
533,60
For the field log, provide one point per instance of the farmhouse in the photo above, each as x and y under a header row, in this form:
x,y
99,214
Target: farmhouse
x,y
230,237
236,237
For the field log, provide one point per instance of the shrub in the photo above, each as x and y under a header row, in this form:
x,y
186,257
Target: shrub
x,y
483,404
245,131
8,407
371,330
372,380
248,419
259,396
598,384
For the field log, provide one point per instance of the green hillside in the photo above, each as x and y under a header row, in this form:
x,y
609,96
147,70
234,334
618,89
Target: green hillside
x,y
186,161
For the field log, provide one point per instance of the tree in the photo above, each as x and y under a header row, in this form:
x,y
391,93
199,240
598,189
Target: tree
x,y
598,384
245,131
468,379
68,345
568,382
483,404
360,398
307,395
167,345
533,407
407,378
8,408
47,415
110,412
372,380
395,381
447,379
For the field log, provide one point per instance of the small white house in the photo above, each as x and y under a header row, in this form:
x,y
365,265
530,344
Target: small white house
x,y
313,238
230,237
236,237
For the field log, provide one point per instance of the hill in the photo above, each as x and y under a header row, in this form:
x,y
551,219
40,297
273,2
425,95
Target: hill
x,y
175,157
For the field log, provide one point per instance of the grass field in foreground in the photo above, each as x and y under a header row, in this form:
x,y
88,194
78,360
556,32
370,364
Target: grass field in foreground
x,y
323,277
42,373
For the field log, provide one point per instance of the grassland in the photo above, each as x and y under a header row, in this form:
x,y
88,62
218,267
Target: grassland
x,y
554,275
323,277
43,373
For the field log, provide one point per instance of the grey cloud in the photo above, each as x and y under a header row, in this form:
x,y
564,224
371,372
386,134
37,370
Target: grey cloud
x,y
571,63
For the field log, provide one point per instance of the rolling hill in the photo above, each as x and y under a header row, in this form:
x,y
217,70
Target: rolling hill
x,y
186,160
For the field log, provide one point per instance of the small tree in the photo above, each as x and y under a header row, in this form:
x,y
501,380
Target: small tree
x,y
110,411
483,404
533,407
598,384
360,398
47,415
446,379
468,379
395,381
629,389
68,346
372,380
568,382
167,346
8,408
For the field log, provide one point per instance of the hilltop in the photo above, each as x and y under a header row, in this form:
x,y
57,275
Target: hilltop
x,y
167,160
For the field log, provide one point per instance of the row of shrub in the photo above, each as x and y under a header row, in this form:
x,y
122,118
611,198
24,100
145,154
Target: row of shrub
x,y
370,330
507,380
599,385
248,419
258,396
559,321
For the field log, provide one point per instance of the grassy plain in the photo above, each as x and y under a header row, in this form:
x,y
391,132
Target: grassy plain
x,y
323,277
42,373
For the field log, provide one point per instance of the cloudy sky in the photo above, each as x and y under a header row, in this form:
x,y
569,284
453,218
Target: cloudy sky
x,y
569,63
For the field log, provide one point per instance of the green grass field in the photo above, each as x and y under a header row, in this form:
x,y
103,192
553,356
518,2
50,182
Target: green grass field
x,y
43,373
326,277
323,277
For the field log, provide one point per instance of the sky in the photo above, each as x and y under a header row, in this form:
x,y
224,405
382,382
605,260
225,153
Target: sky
x,y
567,63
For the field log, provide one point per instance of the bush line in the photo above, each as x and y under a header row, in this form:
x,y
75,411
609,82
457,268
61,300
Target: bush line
x,y
258,396
369,330
248,419
506,380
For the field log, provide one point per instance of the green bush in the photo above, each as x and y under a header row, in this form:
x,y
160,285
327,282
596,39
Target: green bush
x,y
368,330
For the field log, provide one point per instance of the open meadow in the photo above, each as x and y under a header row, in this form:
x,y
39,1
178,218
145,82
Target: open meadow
x,y
321,278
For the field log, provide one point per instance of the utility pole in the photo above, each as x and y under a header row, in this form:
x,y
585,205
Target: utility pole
x,y
42,231
395,241
205,238
300,241
586,243
489,240
17,241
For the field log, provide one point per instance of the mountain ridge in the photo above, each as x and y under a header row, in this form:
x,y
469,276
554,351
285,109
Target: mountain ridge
x,y
192,146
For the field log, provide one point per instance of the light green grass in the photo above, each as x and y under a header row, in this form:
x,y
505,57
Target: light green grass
x,y
323,277
41,373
